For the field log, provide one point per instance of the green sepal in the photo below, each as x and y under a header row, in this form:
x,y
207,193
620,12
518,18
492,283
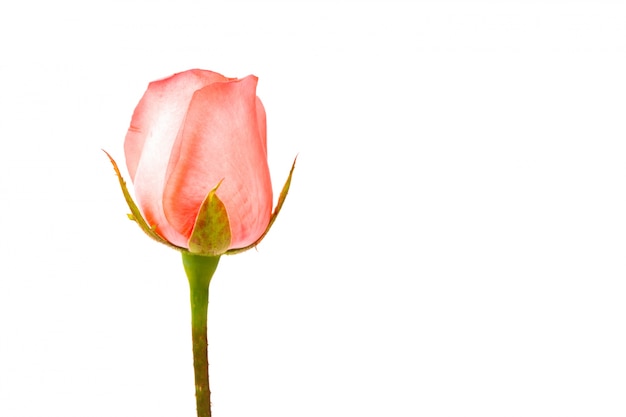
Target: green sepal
x,y
279,205
211,232
135,214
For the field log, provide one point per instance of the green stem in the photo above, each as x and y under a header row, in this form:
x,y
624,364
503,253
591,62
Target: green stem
x,y
199,270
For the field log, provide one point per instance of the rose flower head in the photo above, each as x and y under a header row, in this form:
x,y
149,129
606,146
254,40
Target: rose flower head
x,y
196,152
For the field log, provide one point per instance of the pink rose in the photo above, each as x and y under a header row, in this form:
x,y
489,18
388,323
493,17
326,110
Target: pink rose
x,y
189,132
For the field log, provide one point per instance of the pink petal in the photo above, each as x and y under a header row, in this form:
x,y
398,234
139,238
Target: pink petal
x,y
223,138
155,124
260,116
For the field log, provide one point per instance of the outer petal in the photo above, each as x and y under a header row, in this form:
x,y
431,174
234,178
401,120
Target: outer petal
x,y
260,116
222,138
154,127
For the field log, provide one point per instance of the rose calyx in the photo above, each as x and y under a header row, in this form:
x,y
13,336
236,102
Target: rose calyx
x,y
211,234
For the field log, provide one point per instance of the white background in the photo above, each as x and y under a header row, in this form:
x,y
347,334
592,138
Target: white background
x,y
454,242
